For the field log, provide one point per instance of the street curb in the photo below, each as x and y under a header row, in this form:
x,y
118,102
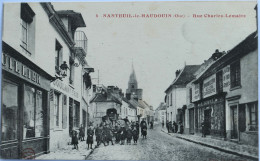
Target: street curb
x,y
216,147
90,153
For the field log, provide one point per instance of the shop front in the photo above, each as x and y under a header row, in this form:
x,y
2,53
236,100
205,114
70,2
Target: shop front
x,y
211,112
65,113
25,108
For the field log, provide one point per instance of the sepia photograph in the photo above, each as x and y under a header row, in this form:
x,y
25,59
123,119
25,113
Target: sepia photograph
x,y
129,80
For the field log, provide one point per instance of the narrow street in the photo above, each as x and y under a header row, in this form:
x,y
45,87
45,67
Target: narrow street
x,y
160,146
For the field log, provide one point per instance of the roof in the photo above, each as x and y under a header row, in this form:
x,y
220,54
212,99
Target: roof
x,y
130,104
244,47
133,102
162,106
77,18
186,75
143,104
99,97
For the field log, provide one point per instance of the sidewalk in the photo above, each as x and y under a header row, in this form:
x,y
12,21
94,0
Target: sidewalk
x,y
67,153
247,151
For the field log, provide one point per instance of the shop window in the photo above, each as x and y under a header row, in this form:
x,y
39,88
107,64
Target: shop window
x,y
76,114
28,28
235,74
39,129
9,111
253,125
58,57
33,113
56,108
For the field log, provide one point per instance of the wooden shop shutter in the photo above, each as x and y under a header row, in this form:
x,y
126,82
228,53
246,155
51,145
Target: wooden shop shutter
x,y
51,108
64,112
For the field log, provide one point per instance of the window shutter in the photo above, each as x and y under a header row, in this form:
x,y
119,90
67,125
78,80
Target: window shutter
x,y
64,112
51,109
60,56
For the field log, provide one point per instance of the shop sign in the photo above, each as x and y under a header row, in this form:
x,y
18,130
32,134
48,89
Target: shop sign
x,y
65,88
12,65
195,92
226,78
209,86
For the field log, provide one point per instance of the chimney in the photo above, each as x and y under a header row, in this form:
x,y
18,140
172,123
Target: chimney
x,y
128,96
177,73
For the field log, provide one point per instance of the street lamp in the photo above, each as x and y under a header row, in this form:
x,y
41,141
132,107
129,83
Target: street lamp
x,y
64,67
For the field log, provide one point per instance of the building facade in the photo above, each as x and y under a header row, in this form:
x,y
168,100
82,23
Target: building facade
x,y
25,80
225,96
176,93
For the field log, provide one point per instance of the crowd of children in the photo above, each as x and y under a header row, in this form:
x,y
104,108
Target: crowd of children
x,y
121,133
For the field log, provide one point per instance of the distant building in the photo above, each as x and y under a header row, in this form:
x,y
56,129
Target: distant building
x,y
176,93
106,102
160,113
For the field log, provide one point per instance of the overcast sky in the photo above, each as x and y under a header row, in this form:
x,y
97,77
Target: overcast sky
x,y
157,46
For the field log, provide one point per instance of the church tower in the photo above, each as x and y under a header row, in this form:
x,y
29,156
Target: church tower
x,y
132,82
133,92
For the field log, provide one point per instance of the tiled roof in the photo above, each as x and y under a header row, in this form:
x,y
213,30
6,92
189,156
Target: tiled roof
x,y
131,105
186,75
143,104
103,98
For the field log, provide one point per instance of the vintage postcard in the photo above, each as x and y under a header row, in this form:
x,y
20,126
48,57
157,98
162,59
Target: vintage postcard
x,y
132,80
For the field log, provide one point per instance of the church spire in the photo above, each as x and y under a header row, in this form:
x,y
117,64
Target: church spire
x,y
132,83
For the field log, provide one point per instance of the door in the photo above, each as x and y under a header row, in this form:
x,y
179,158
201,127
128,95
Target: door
x,y
10,136
207,120
234,122
191,120
242,118
70,115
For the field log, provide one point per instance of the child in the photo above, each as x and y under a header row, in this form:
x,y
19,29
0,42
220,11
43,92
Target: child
x,y
129,135
75,139
135,135
90,137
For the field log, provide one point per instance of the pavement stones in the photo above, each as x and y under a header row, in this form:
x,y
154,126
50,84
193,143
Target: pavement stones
x,y
247,151
67,153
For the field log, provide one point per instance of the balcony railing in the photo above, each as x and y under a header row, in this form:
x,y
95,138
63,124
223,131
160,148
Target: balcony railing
x,y
81,40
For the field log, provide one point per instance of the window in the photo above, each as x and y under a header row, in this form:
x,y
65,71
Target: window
x,y
76,116
220,81
9,111
133,86
58,57
235,74
253,117
72,69
190,92
33,113
171,98
56,108
27,27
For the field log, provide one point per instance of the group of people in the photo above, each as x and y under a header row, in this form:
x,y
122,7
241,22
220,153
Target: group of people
x,y
173,127
121,133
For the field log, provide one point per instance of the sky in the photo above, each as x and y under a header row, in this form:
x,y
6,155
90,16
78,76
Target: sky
x,y
157,47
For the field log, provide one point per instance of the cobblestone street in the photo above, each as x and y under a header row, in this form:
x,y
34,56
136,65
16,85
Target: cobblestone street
x,y
160,146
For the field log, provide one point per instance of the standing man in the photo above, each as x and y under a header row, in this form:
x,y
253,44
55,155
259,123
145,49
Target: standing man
x,y
167,125
162,124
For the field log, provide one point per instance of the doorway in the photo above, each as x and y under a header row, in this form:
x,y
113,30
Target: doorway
x,y
234,122
207,121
